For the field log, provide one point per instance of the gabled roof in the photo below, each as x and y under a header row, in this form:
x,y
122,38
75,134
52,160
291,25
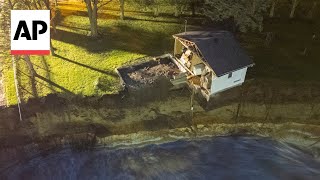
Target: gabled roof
x,y
219,49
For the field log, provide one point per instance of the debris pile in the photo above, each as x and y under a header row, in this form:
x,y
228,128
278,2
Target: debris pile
x,y
149,75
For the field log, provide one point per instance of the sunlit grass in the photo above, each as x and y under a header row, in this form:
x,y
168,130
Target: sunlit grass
x,y
82,62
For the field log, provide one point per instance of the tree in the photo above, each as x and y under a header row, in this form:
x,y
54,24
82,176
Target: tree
x,y
239,11
254,6
178,6
92,8
194,5
294,4
311,11
53,20
5,8
4,28
273,6
121,9
154,4
156,8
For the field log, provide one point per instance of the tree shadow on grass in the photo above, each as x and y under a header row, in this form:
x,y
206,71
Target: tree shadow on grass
x,y
120,37
115,14
155,20
103,15
48,74
50,83
53,84
86,66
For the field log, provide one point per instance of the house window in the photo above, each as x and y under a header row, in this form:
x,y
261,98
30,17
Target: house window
x,y
230,75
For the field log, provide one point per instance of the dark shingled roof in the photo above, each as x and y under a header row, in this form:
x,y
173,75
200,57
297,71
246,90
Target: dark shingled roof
x,y
220,49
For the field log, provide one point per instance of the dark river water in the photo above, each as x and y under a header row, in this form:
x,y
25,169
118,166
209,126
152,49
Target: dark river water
x,y
213,158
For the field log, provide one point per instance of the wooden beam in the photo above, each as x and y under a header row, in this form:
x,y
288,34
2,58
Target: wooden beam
x,y
177,60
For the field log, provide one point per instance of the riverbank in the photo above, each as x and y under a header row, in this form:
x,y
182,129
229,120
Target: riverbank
x,y
291,134
202,158
55,120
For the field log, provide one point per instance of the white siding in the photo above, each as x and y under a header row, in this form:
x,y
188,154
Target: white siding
x,y
223,82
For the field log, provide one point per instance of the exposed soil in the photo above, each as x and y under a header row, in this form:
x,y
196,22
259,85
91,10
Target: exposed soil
x,y
56,120
146,74
149,75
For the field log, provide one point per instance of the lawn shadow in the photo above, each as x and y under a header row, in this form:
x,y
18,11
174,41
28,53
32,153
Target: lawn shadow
x,y
48,74
104,15
32,80
155,20
119,37
51,83
113,74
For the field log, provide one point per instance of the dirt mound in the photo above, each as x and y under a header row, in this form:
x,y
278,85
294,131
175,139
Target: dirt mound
x,y
148,75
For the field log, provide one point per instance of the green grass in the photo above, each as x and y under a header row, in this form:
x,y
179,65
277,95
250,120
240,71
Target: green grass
x,y
84,66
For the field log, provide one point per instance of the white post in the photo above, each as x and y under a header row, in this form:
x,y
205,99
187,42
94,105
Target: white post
x,y
185,25
16,85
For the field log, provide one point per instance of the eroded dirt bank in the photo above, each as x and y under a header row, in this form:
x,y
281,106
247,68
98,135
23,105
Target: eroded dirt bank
x,y
289,111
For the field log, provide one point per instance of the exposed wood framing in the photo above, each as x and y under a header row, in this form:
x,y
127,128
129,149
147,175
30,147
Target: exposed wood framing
x,y
194,49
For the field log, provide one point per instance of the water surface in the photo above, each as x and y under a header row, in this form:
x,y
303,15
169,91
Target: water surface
x,y
212,158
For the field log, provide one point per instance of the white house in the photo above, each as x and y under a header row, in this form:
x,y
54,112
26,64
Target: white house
x,y
212,60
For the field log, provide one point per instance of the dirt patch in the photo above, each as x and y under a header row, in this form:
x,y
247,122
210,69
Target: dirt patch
x,y
147,73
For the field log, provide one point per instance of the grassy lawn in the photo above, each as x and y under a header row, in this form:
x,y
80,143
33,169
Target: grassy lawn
x,y
84,66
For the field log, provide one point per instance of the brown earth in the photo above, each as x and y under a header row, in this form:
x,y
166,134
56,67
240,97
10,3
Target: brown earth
x,y
53,119
288,112
149,75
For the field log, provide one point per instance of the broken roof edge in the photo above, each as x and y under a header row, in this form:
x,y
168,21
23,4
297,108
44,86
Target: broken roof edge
x,y
194,36
202,58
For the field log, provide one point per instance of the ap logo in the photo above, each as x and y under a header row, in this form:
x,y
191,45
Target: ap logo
x,y
30,32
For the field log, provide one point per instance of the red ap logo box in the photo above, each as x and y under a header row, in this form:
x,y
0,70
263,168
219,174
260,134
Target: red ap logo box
x,y
30,32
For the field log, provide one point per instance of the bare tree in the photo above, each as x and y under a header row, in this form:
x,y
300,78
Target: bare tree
x,y
92,8
156,8
52,20
5,8
239,12
313,8
294,5
272,9
121,9
254,6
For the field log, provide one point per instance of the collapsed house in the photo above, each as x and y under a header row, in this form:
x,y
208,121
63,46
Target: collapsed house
x,y
209,62
212,61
